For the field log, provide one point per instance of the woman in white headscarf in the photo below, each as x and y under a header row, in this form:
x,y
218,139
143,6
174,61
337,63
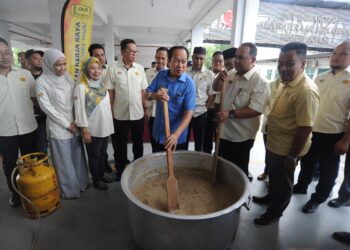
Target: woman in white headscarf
x,y
93,115
55,96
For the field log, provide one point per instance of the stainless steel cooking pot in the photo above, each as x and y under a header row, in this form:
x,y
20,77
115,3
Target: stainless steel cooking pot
x,y
154,229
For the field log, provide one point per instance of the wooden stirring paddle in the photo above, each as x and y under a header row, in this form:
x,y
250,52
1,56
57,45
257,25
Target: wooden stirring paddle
x,y
217,135
171,183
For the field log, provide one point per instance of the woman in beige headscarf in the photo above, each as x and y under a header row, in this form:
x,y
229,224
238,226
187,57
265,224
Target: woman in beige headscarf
x,y
93,115
55,96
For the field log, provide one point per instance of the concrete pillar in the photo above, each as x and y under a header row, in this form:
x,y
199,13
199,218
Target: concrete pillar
x,y
197,36
109,40
245,14
55,13
4,32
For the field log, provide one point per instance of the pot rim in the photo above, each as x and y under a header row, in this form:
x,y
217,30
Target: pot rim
x,y
137,202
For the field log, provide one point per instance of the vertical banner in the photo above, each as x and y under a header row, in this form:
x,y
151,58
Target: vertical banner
x,y
76,29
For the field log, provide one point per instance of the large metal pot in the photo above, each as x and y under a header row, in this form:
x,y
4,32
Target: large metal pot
x,y
154,229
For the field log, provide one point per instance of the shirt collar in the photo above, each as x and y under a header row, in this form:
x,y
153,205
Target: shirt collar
x,y
121,63
155,69
296,80
248,74
347,69
181,78
201,70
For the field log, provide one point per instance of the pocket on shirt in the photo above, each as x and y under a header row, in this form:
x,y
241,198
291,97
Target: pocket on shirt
x,y
178,100
242,99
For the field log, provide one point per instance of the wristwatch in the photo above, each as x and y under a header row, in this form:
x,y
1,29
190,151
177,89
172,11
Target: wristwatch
x,y
232,114
149,96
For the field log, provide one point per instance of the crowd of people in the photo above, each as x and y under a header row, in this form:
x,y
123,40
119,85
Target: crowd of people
x,y
303,120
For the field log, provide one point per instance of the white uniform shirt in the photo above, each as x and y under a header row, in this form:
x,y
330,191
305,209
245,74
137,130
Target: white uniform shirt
x,y
16,107
203,80
249,90
104,72
128,85
100,122
334,104
150,75
54,100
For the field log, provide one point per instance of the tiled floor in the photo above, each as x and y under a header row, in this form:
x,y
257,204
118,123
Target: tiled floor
x,y
98,220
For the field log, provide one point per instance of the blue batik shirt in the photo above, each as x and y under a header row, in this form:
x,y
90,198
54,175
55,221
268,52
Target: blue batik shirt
x,y
182,97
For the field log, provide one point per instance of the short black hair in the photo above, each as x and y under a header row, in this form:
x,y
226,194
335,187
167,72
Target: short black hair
x,y
253,49
163,49
300,48
124,43
30,52
172,49
2,40
218,53
94,46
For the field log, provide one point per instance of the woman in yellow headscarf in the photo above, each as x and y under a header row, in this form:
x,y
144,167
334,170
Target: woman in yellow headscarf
x,y
93,116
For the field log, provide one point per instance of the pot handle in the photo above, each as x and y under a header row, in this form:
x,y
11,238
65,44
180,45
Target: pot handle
x,y
248,203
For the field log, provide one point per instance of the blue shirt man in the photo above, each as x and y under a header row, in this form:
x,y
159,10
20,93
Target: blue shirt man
x,y
177,88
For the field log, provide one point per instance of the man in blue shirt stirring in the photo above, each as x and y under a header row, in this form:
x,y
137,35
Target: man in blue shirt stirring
x,y
177,88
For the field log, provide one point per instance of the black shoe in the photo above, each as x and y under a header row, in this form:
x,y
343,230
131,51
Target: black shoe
x,y
310,206
342,236
299,190
107,178
262,200
266,218
15,200
101,185
339,203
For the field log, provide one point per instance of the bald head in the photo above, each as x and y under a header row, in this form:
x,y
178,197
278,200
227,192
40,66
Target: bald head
x,y
340,58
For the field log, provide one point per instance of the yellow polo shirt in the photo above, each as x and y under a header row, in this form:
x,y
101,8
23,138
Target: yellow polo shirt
x,y
295,105
334,102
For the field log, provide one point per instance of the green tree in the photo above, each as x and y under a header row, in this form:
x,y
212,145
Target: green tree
x,y
211,49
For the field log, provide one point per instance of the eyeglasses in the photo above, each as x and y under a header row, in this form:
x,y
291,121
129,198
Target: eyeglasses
x,y
6,53
135,52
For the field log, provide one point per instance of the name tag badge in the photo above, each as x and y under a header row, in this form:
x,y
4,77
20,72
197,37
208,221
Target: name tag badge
x,y
137,73
346,82
22,78
322,80
119,73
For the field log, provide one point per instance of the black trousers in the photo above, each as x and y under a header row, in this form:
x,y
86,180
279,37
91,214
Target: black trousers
x,y
9,147
120,138
96,152
308,165
266,169
150,127
344,191
160,147
280,183
237,152
42,141
328,162
209,131
198,125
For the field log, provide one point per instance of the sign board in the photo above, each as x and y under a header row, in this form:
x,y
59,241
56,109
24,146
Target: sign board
x,y
317,27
